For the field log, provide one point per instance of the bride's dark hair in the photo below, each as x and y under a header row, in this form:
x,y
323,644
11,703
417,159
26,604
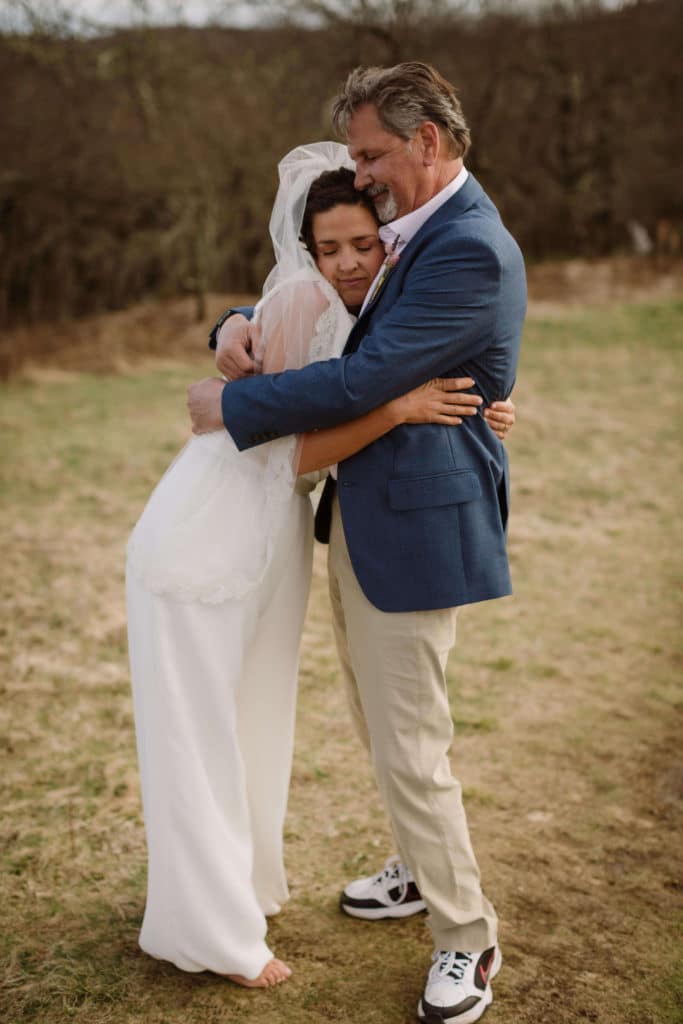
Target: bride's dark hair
x,y
332,188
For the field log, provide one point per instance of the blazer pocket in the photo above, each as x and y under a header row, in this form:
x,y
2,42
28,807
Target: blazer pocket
x,y
431,491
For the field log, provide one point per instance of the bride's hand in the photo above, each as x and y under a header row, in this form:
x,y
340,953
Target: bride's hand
x,y
500,416
236,341
443,400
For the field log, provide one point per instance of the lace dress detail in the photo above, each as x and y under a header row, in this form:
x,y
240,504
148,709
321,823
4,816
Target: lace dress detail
x,y
325,341
209,530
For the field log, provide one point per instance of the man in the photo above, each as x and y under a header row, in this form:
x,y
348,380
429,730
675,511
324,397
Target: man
x,y
416,521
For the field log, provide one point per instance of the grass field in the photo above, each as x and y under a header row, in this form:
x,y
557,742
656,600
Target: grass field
x,y
566,698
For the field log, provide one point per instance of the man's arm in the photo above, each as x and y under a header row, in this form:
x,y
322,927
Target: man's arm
x,y
236,340
325,447
444,318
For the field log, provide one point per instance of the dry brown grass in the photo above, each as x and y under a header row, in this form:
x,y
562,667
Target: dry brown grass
x,y
566,699
109,342
170,331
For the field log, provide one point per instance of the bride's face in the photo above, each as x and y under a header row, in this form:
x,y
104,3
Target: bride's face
x,y
348,251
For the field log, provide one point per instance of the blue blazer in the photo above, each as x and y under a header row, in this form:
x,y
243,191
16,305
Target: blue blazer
x,y
425,507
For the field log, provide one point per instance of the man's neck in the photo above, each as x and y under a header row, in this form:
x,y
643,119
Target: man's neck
x,y
440,175
446,171
406,226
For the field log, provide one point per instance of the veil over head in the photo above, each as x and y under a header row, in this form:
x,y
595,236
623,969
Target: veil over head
x,y
297,171
295,294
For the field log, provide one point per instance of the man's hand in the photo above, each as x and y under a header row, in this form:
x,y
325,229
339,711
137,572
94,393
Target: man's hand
x,y
500,416
236,342
204,403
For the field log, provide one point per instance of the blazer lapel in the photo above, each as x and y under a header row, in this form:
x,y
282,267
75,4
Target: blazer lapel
x,y
463,199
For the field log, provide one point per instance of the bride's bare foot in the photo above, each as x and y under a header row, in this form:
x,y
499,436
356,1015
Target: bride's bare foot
x,y
272,974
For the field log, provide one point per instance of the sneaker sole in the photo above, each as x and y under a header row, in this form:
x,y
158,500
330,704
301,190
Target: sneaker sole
x,y
469,1017
378,913
476,1012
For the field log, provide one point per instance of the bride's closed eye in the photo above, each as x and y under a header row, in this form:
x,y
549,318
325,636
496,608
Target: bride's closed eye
x,y
365,246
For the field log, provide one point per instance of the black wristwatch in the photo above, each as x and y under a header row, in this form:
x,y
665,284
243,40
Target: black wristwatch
x,y
213,333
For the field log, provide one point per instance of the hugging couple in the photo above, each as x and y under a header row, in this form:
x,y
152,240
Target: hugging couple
x,y
382,352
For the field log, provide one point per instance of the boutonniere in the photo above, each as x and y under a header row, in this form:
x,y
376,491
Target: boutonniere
x,y
392,256
390,261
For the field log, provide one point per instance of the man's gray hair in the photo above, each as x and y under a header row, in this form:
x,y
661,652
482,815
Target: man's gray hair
x,y
405,96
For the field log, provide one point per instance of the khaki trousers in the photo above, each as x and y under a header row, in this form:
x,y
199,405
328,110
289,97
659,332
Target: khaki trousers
x,y
393,664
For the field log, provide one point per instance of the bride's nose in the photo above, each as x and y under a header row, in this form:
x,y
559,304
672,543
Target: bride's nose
x,y
348,259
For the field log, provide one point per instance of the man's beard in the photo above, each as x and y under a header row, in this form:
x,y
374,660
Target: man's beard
x,y
385,208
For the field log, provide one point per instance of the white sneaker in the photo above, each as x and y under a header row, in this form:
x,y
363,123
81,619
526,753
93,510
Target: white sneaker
x,y
392,892
458,988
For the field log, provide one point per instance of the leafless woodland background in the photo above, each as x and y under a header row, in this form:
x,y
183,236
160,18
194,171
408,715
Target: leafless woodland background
x,y
140,162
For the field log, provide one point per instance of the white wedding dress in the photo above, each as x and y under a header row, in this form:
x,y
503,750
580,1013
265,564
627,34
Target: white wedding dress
x,y
217,583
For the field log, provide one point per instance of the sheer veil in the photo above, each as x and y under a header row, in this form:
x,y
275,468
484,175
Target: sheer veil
x,y
297,171
209,530
284,297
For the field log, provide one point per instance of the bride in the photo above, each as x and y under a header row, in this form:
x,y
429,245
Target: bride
x,y
217,584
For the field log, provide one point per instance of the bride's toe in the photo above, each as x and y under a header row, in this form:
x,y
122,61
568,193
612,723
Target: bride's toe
x,y
273,973
276,971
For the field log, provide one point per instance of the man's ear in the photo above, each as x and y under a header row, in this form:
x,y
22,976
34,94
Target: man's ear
x,y
430,142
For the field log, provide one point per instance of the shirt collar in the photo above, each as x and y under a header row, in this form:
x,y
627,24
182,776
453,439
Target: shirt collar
x,y
409,225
